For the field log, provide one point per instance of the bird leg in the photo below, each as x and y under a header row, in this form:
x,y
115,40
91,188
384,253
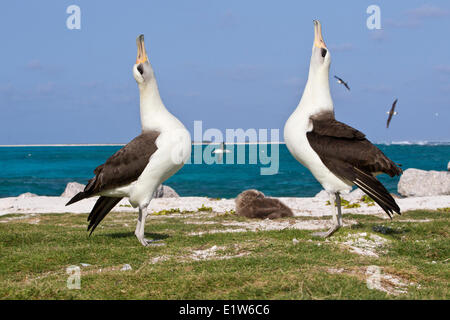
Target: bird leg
x,y
337,217
339,210
140,226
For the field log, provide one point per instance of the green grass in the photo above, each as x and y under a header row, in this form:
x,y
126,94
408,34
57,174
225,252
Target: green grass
x,y
36,250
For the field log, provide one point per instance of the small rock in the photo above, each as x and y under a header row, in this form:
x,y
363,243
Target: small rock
x,y
433,262
126,267
27,195
72,188
85,264
165,192
382,229
295,241
422,183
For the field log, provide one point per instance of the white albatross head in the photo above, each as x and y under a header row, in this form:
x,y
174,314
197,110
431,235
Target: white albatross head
x,y
317,97
142,70
320,57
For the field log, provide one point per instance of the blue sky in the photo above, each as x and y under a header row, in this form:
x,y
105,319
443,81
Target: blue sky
x,y
231,64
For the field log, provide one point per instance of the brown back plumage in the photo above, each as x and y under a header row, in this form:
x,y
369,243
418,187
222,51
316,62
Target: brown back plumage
x,y
347,153
123,167
253,204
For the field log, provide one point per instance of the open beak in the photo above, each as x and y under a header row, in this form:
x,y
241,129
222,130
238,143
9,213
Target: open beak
x,y
141,54
318,39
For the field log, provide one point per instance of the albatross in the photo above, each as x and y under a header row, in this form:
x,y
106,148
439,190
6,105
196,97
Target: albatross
x,y
137,169
391,113
337,155
340,81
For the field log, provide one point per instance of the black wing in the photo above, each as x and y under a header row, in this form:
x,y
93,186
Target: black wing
x,y
123,167
347,153
101,208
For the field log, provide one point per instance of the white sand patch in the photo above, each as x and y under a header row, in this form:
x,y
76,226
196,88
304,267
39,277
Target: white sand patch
x,y
313,207
415,221
267,225
205,254
365,244
126,267
159,259
392,285
201,222
212,253
380,281
34,221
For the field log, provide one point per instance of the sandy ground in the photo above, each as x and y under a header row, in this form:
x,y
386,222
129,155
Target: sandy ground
x,y
312,207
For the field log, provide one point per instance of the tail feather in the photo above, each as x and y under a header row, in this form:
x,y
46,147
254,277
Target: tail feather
x,y
101,208
377,192
88,191
79,196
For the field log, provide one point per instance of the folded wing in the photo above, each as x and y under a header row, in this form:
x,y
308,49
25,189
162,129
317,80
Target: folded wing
x,y
347,153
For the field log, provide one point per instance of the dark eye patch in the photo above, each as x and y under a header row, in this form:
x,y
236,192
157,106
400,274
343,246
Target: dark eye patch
x,y
140,68
323,52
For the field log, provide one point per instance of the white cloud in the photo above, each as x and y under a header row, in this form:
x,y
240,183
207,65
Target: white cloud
x,y
428,11
378,35
443,68
45,88
341,47
34,65
408,23
413,18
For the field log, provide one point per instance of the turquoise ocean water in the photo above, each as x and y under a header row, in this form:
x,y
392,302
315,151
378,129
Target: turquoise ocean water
x,y
47,170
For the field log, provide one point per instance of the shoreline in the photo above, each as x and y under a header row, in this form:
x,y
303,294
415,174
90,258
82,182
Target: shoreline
x,y
307,207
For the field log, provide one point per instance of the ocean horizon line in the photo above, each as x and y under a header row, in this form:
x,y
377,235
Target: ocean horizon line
x,y
404,142
122,144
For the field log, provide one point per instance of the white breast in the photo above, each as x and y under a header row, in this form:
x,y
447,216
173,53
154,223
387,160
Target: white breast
x,y
297,143
174,148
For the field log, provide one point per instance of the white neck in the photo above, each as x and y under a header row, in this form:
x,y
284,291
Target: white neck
x,y
151,106
316,97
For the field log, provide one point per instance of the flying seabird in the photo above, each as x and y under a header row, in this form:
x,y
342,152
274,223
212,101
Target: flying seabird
x,y
391,113
137,169
221,149
339,80
338,155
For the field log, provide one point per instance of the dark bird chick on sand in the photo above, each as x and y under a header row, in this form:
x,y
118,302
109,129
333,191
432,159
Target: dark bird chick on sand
x,y
253,204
